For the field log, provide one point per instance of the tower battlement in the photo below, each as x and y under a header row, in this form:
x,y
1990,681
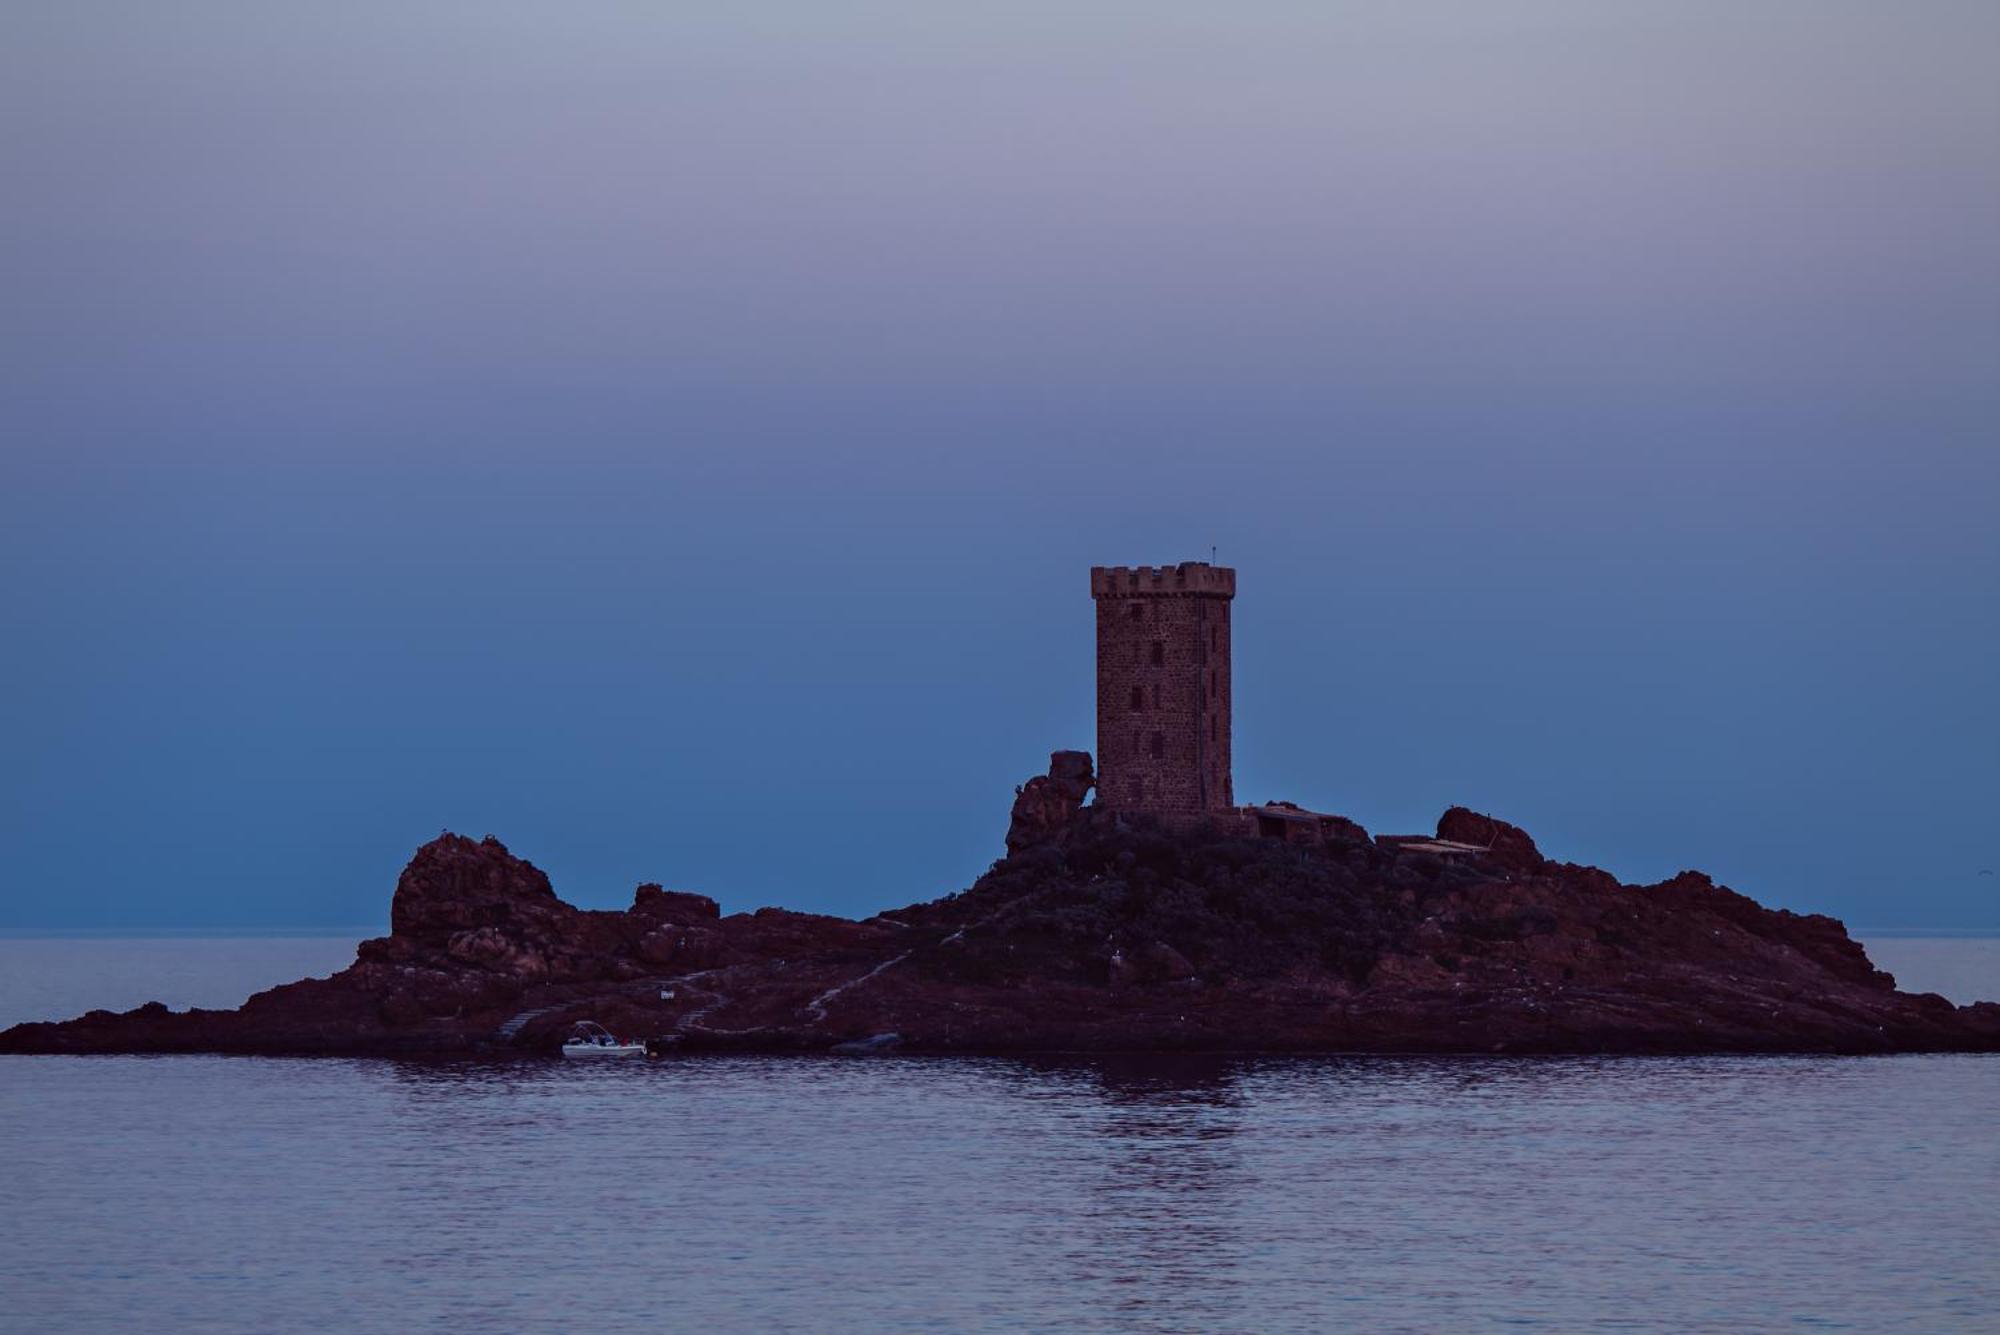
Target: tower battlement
x,y
1189,577
1163,686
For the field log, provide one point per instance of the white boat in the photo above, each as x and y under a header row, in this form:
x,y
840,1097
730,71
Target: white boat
x,y
591,1039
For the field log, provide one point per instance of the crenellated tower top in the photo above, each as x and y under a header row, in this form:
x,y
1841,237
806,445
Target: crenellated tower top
x,y
1189,577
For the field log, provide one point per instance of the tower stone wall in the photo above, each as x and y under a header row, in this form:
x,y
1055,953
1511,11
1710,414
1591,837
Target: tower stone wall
x,y
1163,686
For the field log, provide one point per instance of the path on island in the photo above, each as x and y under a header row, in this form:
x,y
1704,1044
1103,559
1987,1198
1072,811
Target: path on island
x,y
511,1028
712,999
816,1008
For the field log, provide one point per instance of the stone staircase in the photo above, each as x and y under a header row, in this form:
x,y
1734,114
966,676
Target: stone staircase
x,y
516,1023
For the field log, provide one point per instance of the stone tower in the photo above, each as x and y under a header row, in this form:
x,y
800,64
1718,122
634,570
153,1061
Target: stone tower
x,y
1163,686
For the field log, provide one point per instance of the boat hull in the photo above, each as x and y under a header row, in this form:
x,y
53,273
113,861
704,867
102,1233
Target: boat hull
x,y
604,1050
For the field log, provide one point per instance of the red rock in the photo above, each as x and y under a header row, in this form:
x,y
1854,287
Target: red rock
x,y
1094,933
1511,847
652,900
662,947
1047,805
453,883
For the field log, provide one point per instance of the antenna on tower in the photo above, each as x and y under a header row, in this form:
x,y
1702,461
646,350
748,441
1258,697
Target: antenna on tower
x,y
1211,553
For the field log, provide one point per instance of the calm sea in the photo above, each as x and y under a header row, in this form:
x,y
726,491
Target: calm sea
x,y
251,1194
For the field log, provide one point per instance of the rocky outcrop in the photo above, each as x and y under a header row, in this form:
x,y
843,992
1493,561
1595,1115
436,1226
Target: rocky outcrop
x,y
1507,845
1047,806
653,901
1098,932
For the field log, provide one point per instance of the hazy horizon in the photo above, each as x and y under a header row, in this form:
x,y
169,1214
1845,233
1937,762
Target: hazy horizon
x,y
674,442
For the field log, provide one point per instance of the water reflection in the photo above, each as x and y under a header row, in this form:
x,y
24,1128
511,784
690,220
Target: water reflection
x,y
1140,1078
903,1193
1158,1231
907,1193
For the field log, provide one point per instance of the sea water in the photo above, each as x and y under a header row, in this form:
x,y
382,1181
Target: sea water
x,y
893,1193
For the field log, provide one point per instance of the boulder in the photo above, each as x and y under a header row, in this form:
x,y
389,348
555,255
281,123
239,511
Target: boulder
x,y
661,947
1511,847
1047,805
653,900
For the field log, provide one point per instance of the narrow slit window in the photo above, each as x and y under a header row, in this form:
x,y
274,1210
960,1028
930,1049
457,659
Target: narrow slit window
x,y
1159,745
1138,697
1159,653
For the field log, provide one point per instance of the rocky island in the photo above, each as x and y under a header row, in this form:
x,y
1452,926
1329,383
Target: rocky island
x,y
1098,931
1137,908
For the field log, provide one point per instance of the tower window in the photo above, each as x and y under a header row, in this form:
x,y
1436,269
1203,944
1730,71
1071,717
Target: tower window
x,y
1138,611
1211,639
1159,653
1156,695
1138,697
1159,745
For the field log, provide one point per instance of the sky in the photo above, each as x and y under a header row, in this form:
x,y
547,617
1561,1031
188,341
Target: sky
x,y
673,439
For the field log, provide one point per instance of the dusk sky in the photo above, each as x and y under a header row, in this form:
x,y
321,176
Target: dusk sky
x,y
673,438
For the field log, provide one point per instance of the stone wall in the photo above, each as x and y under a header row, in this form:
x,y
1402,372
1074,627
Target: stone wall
x,y
1163,686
